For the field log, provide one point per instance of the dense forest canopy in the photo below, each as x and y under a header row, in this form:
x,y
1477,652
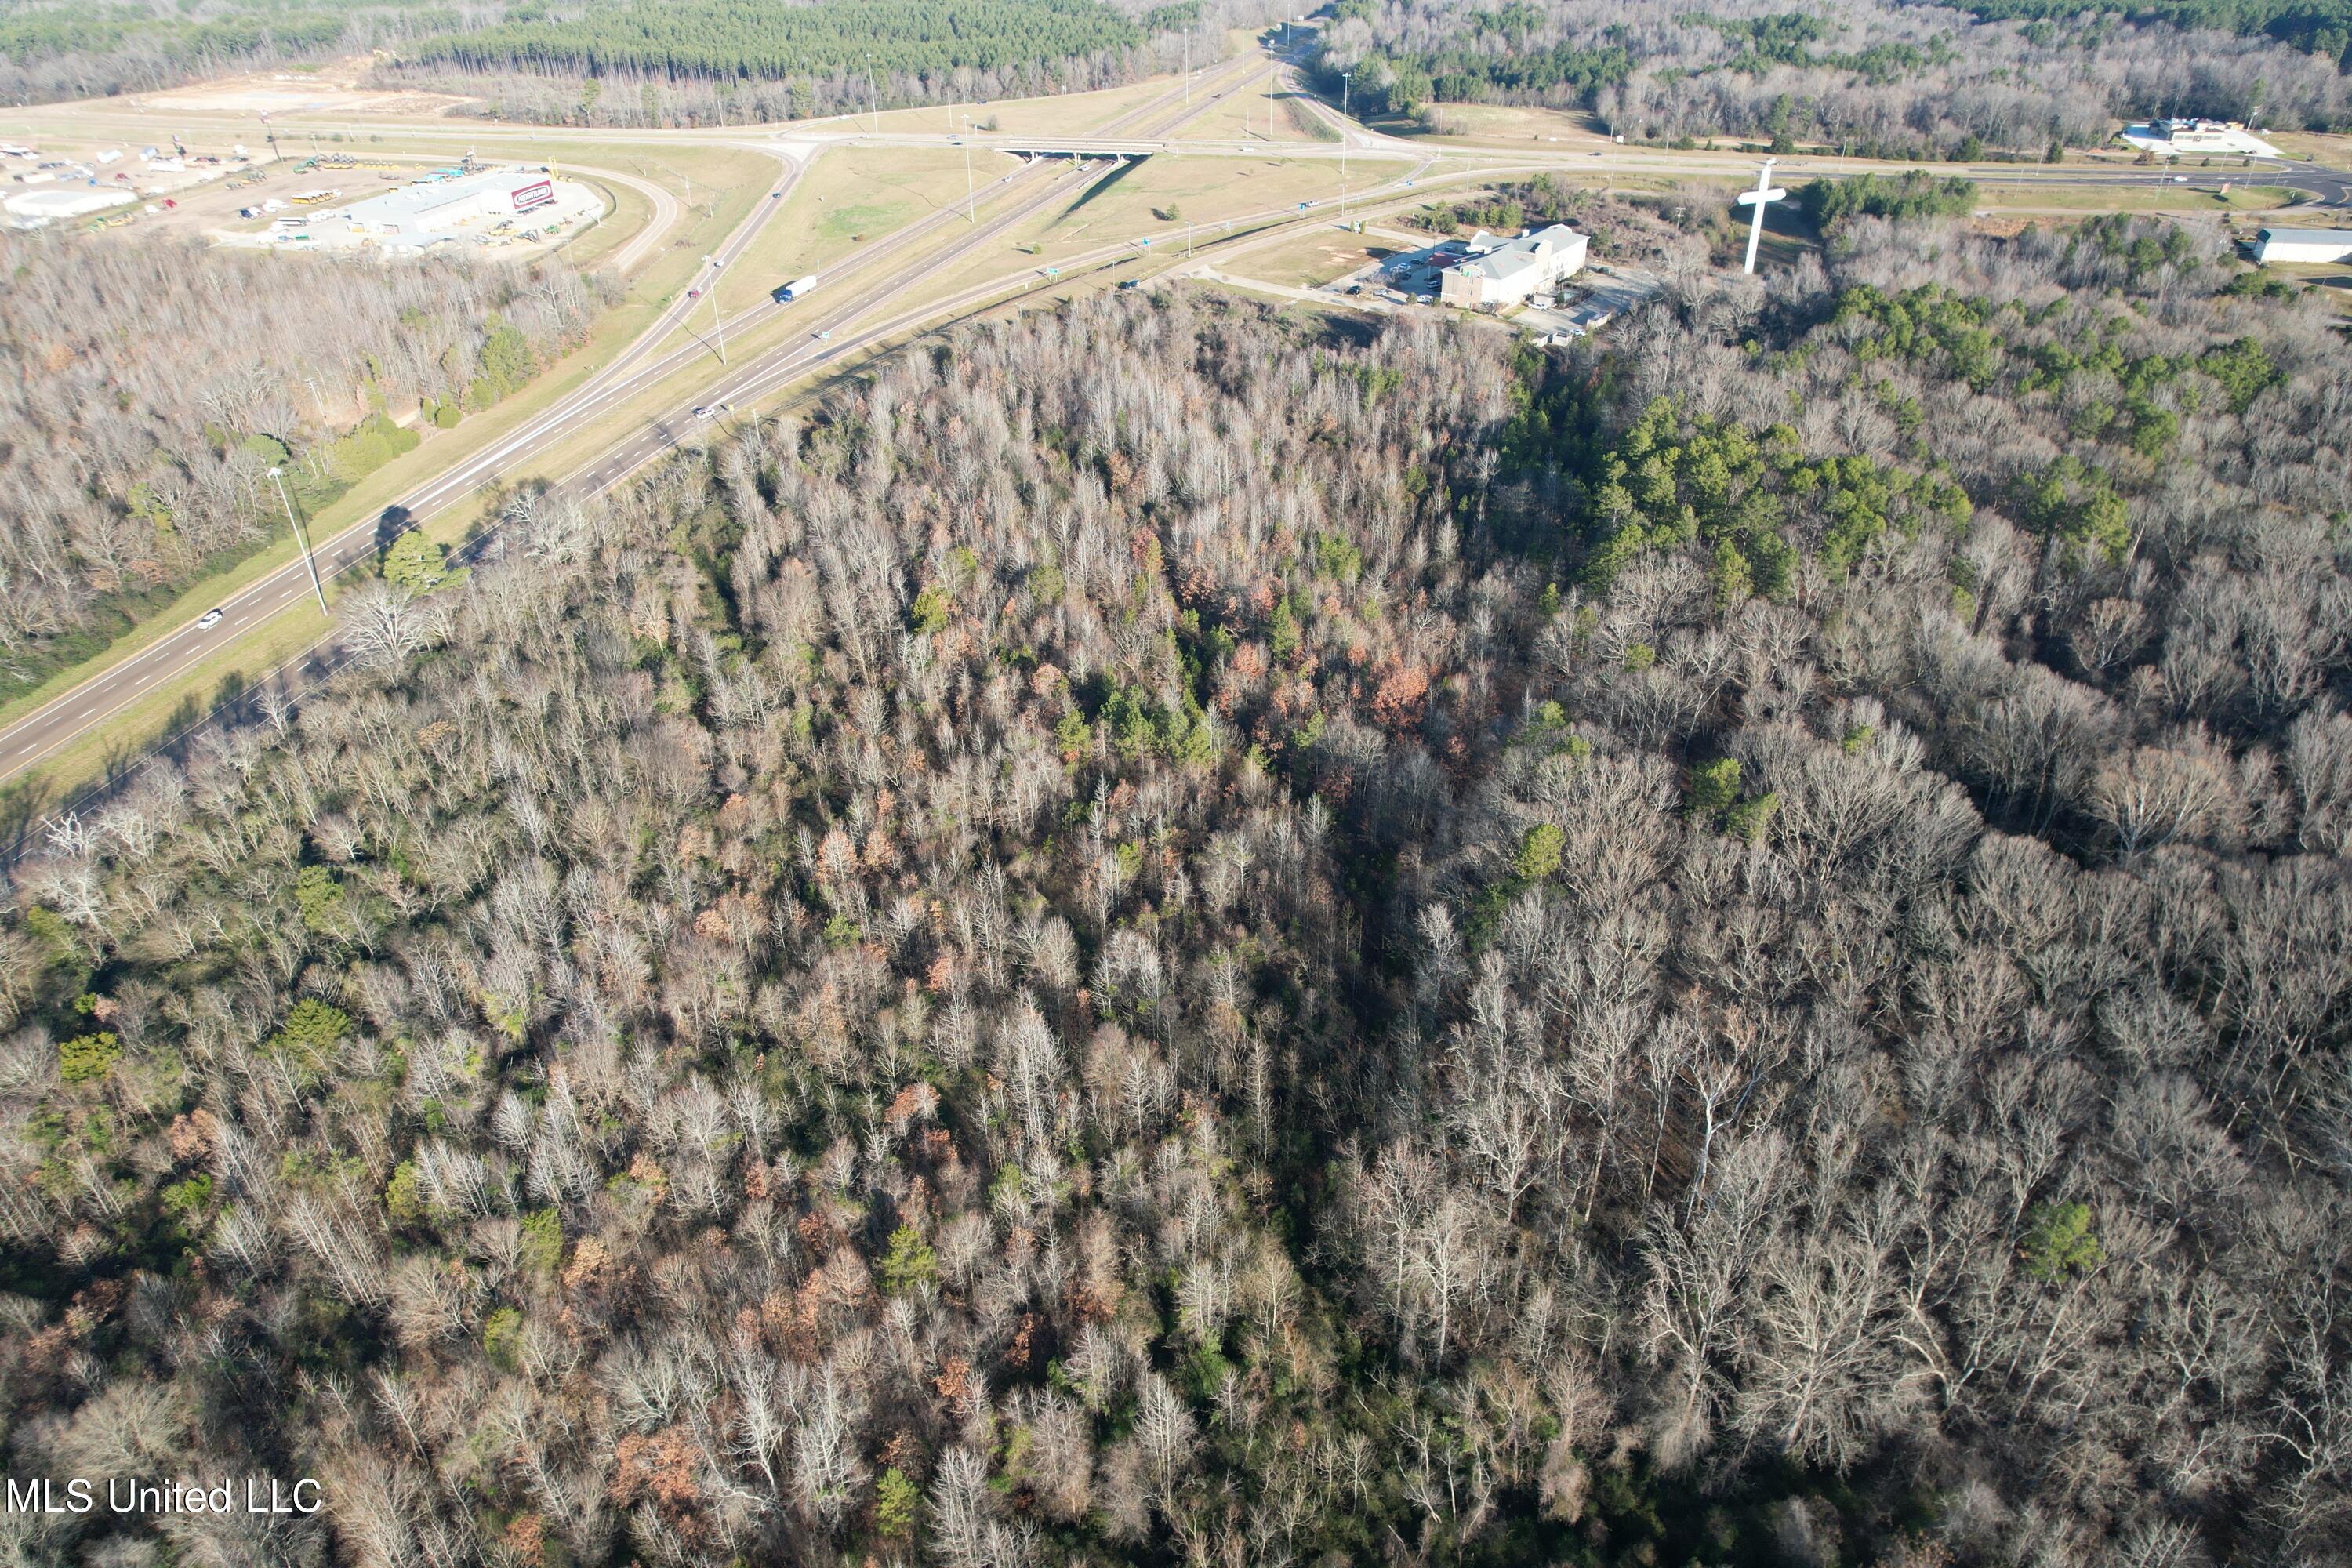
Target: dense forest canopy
x,y
2321,27
648,62
147,388
1876,78
632,62
1156,937
752,38
64,48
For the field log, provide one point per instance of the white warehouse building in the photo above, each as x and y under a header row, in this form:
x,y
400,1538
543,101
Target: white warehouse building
x,y
2303,245
1506,272
433,209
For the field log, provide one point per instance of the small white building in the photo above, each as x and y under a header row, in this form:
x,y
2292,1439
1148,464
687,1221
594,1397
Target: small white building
x,y
2303,245
1506,272
2197,138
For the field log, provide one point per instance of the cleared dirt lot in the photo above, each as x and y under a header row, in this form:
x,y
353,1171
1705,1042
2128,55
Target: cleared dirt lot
x,y
334,88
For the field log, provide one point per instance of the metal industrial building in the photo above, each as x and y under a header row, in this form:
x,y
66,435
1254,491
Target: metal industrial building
x,y
432,210
2303,245
1506,272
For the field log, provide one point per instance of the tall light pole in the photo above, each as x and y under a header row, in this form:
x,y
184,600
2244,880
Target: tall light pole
x,y
300,537
970,205
1345,78
873,95
717,321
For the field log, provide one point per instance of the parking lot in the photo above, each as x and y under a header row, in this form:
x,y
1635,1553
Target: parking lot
x,y
1411,276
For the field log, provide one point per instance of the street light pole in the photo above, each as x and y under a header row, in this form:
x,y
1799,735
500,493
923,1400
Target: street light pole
x,y
277,475
1345,77
873,96
717,321
970,205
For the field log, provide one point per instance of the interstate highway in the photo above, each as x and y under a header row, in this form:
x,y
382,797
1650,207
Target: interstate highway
x,y
853,289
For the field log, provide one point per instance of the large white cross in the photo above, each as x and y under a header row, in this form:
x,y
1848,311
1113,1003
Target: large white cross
x,y
1765,192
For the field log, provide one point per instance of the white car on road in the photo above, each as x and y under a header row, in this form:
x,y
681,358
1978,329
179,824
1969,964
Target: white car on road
x,y
208,620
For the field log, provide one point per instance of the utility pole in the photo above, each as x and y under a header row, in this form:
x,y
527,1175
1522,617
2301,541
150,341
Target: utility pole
x,y
717,321
873,95
300,537
1188,67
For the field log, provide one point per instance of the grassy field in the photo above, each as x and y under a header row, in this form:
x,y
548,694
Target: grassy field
x,y
1304,261
626,212
1156,198
1242,113
2151,198
1078,113
2333,150
847,197
1497,125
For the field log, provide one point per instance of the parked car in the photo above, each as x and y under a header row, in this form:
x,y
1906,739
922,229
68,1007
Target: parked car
x,y
1131,283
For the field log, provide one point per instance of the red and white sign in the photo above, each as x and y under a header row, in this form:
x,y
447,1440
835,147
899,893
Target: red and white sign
x,y
536,195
